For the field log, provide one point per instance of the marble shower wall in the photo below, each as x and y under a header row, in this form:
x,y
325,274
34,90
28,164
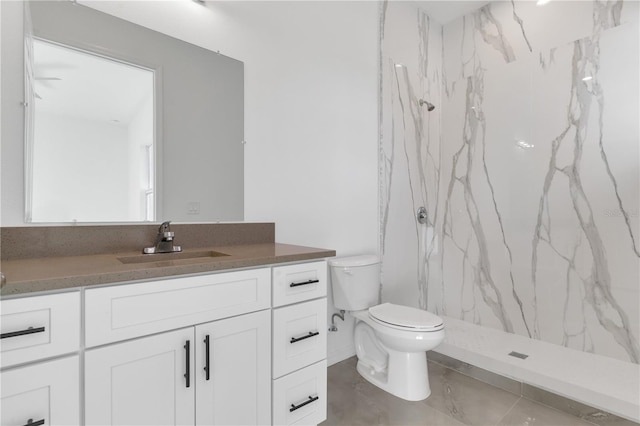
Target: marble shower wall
x,y
531,174
411,70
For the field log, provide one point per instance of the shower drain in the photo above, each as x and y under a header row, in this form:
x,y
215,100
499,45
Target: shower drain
x,y
518,355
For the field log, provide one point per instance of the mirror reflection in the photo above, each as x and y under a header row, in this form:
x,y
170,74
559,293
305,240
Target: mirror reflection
x,y
127,124
94,116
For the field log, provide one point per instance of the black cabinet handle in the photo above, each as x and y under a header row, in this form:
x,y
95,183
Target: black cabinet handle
x,y
302,404
206,356
30,422
304,283
306,336
187,375
29,330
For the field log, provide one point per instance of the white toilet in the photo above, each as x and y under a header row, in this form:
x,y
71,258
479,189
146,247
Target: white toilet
x,y
391,340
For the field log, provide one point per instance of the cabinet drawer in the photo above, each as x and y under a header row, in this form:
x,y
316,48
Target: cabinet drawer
x,y
39,327
47,391
301,397
299,336
127,311
297,283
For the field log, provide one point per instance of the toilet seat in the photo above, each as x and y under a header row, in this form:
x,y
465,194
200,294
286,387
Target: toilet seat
x,y
405,318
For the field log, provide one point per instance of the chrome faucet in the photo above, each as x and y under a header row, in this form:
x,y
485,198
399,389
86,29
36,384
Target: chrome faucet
x,y
164,241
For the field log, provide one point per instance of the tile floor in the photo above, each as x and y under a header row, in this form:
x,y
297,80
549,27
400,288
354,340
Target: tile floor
x,y
455,399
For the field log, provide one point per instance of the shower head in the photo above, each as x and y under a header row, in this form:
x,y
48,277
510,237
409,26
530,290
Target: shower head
x,y
430,106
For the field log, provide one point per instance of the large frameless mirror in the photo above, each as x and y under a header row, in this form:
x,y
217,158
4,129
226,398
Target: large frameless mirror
x,y
125,124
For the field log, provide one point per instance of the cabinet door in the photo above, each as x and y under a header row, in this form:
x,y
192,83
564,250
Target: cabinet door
x,y
46,393
237,390
144,381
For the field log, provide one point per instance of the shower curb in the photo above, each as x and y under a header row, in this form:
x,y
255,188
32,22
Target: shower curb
x,y
577,409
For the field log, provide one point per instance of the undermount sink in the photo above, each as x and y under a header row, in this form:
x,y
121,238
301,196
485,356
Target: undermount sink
x,y
160,257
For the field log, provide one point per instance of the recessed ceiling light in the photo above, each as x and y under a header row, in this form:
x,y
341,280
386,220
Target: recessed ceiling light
x,y
587,78
542,2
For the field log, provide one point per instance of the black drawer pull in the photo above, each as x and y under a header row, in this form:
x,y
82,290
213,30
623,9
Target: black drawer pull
x,y
30,422
29,330
187,375
304,283
306,336
308,401
207,367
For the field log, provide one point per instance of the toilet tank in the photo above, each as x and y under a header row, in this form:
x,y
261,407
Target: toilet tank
x,y
355,282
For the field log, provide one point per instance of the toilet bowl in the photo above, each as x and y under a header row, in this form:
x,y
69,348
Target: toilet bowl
x,y
391,340
393,356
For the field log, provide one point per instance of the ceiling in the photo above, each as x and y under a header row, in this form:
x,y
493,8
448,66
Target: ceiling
x,y
446,11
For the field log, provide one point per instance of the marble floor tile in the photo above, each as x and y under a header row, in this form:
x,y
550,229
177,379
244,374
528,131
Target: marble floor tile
x,y
478,373
468,400
529,413
582,411
354,401
456,400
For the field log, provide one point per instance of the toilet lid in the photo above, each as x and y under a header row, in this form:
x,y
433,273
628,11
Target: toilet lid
x,y
406,317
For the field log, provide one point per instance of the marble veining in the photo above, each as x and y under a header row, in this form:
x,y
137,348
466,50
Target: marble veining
x,y
597,284
492,33
521,24
464,159
528,168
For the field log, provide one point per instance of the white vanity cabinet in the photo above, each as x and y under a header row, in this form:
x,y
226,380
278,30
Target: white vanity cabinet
x,y
44,393
33,388
222,367
299,344
242,347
